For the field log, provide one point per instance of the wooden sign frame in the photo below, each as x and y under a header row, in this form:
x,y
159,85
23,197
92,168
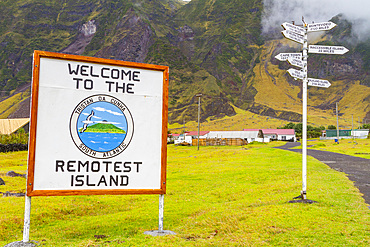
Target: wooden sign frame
x,y
31,190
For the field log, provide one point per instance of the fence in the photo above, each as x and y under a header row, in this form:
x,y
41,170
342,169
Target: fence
x,y
219,142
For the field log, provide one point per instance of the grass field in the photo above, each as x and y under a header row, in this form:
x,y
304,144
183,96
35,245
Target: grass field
x,y
354,147
217,196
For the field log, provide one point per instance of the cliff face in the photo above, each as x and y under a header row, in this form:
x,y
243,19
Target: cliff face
x,y
214,47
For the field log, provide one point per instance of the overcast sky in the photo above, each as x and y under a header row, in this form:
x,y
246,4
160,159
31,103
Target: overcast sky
x,y
279,11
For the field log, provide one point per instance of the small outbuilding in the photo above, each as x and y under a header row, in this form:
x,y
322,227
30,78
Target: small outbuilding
x,y
277,134
9,126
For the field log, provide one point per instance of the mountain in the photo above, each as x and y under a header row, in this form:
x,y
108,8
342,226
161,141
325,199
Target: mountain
x,y
213,47
104,128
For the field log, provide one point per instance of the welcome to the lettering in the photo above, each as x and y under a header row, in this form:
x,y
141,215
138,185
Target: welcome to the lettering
x,y
117,80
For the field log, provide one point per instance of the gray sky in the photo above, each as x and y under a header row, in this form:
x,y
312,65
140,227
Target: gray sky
x,y
279,11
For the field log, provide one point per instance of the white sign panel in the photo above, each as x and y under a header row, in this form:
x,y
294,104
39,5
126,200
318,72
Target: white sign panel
x,y
322,26
296,62
318,83
293,36
98,126
296,73
285,56
294,28
325,49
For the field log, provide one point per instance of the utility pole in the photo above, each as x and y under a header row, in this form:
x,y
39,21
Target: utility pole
x,y
336,109
198,95
352,127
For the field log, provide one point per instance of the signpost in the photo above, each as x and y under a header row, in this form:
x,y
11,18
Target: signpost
x,y
286,56
98,127
322,26
299,34
296,62
325,49
297,74
293,28
318,83
293,36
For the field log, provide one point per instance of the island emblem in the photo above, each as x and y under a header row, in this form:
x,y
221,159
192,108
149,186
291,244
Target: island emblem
x,y
101,126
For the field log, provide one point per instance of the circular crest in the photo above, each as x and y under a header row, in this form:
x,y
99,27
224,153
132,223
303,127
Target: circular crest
x,y
101,126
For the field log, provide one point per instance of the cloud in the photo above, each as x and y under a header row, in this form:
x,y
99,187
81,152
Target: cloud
x,y
109,111
105,122
278,11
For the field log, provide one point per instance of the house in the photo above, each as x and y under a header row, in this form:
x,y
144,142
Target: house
x,y
249,136
172,137
277,134
345,134
183,138
362,133
194,134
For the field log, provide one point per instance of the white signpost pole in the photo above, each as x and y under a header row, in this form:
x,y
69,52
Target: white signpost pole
x,y
304,117
299,34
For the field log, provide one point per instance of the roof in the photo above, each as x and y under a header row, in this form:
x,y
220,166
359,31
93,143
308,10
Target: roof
x,y
195,133
8,126
275,131
233,134
174,134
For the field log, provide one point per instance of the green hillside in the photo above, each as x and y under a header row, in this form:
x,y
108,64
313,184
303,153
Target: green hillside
x,y
213,47
104,128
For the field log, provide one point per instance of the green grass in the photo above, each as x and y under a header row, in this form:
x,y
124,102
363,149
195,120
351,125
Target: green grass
x,y
217,196
354,147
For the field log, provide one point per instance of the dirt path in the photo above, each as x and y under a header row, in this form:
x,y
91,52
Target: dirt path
x,y
357,169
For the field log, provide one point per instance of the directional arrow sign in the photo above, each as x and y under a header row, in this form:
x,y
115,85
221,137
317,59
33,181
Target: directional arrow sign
x,y
296,73
285,56
318,83
325,49
293,36
296,62
323,26
294,28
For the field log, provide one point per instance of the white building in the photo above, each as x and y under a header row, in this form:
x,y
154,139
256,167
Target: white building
x,y
249,136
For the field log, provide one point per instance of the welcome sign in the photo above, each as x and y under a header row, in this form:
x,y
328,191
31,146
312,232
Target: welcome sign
x,y
98,126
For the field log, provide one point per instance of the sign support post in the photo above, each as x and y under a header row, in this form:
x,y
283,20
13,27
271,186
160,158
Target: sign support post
x,y
299,35
161,206
160,231
304,117
27,219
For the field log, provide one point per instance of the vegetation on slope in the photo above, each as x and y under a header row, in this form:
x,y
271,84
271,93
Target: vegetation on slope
x,y
213,47
223,196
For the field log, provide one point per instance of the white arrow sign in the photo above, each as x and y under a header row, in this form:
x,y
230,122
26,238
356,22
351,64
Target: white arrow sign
x,y
296,73
318,83
323,26
296,62
285,56
293,36
325,49
293,28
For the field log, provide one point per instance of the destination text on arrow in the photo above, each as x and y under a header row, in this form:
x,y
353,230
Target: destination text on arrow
x,y
325,49
293,36
294,28
323,26
285,56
